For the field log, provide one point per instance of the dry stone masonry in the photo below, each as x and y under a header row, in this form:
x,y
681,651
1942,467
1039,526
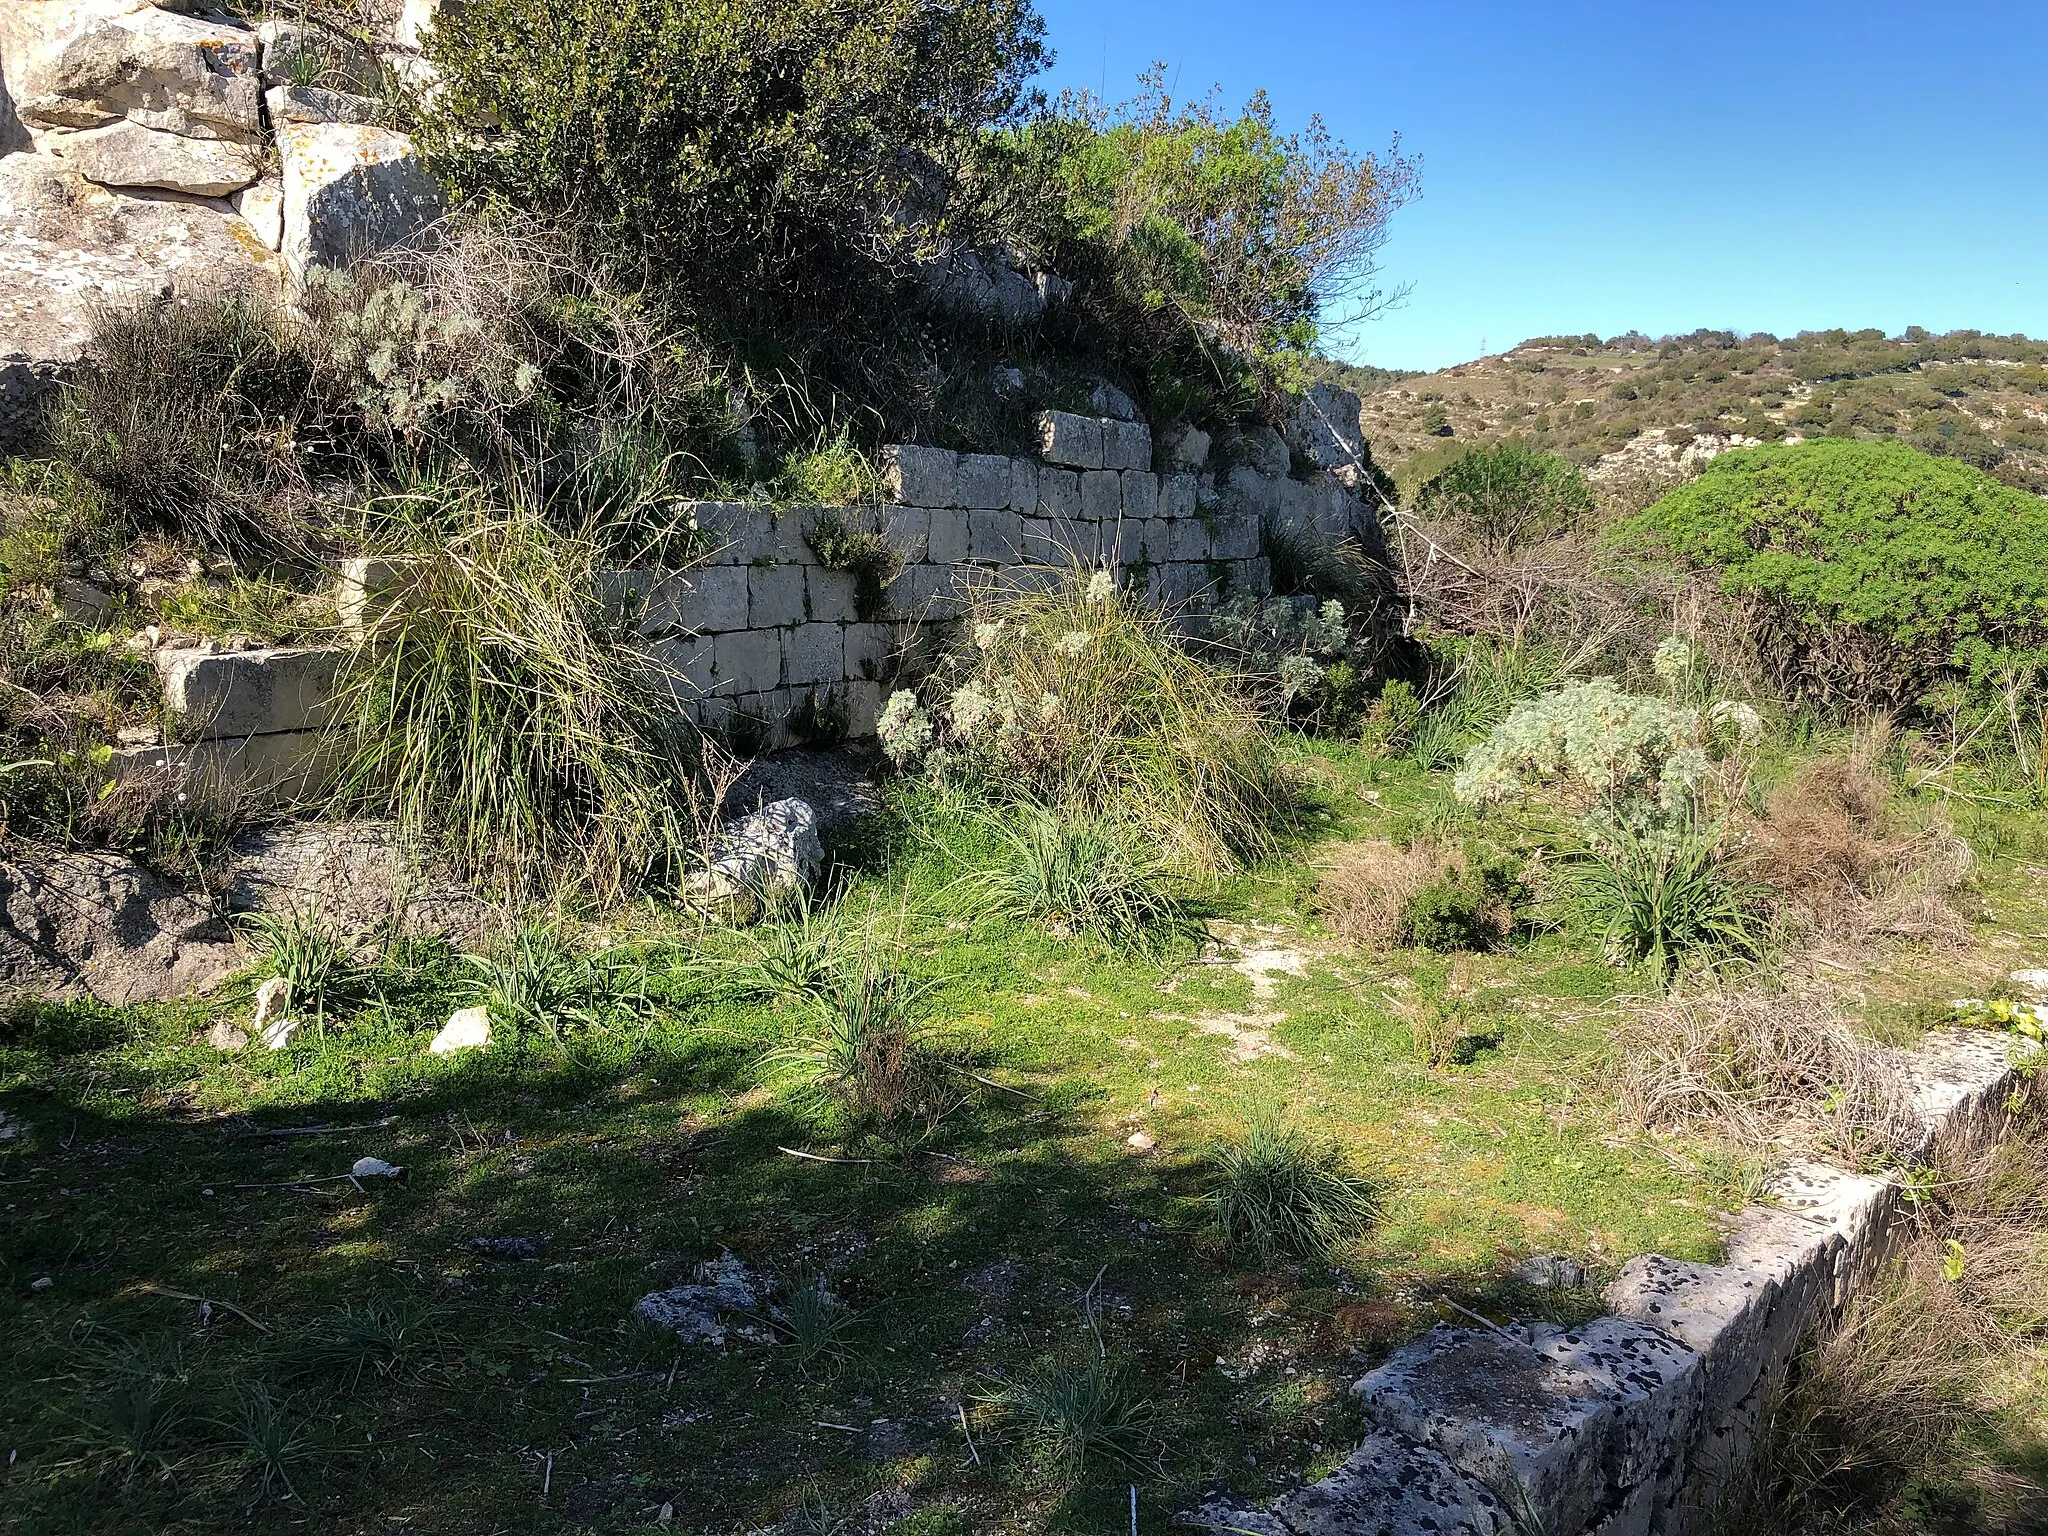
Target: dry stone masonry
x,y
767,643
1633,1424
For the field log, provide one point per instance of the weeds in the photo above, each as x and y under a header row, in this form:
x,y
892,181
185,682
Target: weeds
x,y
266,1442
499,711
816,1321
1068,1418
136,1421
381,1340
1659,898
867,1061
871,560
536,979
1078,876
316,963
795,957
1275,1193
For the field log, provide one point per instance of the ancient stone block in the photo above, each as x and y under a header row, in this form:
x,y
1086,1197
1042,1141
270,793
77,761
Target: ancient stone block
x,y
775,596
317,104
690,663
261,207
994,536
868,650
1177,496
247,693
88,66
830,594
737,532
126,154
1190,539
1235,536
711,598
1140,493
908,530
1126,445
1023,486
814,653
747,661
1059,493
863,707
1070,440
921,477
1102,495
1391,1484
948,538
984,480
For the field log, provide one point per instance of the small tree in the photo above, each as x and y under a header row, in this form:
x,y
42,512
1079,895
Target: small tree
x,y
1508,494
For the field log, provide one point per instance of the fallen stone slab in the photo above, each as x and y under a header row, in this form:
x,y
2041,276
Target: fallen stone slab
x,y
350,191
217,693
126,154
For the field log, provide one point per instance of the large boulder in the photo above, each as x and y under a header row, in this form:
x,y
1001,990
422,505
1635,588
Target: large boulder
x,y
89,63
126,154
68,247
295,53
1325,428
350,190
99,924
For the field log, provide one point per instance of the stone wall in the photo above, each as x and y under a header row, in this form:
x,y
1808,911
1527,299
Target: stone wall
x,y
767,643
1635,1423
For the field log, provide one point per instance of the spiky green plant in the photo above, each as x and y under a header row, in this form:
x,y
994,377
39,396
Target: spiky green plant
x,y
1080,875
315,961
1068,1417
866,1059
536,980
1274,1192
1662,896
499,708
816,1321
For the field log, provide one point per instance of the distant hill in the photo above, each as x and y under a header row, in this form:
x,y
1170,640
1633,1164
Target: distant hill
x,y
1631,401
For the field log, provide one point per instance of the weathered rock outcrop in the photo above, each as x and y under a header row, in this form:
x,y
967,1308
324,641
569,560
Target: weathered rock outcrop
x,y
350,190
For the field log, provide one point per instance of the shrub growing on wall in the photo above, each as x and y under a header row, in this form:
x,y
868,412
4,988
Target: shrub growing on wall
x,y
1878,571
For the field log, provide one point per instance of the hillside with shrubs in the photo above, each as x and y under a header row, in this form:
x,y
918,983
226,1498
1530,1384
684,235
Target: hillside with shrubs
x,y
1634,409
548,1109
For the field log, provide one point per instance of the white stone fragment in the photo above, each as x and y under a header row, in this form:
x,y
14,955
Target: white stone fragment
x,y
467,1029
272,998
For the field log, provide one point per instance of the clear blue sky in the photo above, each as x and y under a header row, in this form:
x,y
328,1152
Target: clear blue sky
x,y
1649,165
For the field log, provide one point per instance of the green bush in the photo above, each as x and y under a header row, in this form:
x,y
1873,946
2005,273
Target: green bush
x,y
1508,494
1472,907
1878,570
746,153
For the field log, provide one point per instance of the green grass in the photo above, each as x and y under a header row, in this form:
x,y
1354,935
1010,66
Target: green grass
x,y
381,1368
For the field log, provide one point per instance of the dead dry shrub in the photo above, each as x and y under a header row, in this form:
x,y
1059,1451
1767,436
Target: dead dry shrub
x,y
1365,891
1848,873
1764,1068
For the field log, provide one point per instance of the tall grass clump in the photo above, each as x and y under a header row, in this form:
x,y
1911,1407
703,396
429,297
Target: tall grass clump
x,y
1069,1418
1076,698
864,1062
536,979
1276,1193
1088,877
498,709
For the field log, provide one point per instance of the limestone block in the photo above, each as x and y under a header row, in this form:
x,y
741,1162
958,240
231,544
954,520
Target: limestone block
x,y
350,190
947,540
708,599
1070,440
829,595
1188,582
791,526
1557,1424
126,154
1253,492
863,708
1155,539
317,104
1249,576
1102,495
1958,1080
984,480
246,693
775,596
1856,1208
295,53
908,530
366,589
747,661
994,536
814,653
279,767
689,663
1059,493
867,651
93,63
1023,486
261,206
1391,1485
941,593
1177,496
1039,543
739,532
1235,536
1124,543
1187,449
1077,542
1140,493
921,477
1126,445
1189,538
1325,427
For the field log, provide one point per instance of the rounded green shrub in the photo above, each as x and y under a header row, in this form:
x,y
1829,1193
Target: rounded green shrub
x,y
1876,571
1508,494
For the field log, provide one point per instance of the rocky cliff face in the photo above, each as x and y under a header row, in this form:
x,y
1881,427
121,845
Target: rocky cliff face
x,y
149,149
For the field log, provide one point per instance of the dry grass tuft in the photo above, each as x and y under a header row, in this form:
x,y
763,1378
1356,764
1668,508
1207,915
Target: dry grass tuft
x,y
1849,875
1367,887
1764,1068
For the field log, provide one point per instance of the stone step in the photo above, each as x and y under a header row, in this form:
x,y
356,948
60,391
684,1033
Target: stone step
x,y
220,694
